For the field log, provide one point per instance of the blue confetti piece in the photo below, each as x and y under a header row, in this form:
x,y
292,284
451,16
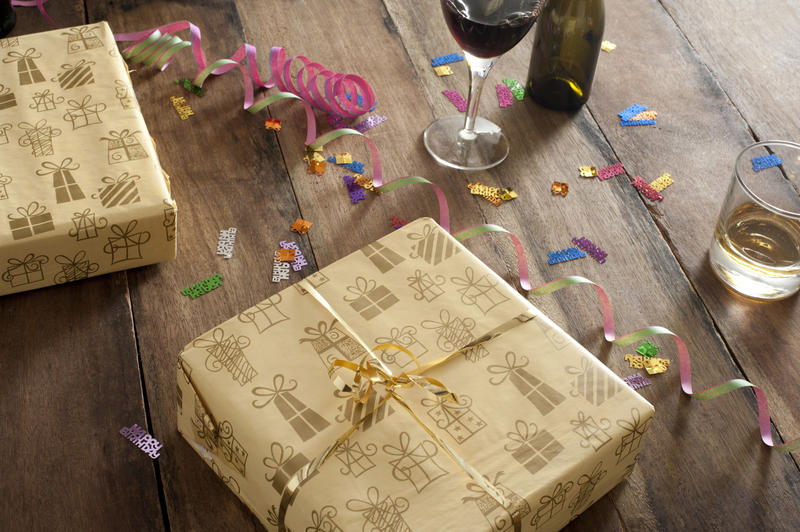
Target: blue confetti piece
x,y
637,122
446,59
766,161
632,111
565,255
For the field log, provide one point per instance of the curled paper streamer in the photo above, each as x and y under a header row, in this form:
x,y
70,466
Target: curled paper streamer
x,y
34,3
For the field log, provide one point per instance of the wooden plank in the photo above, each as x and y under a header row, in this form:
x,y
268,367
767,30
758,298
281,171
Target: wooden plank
x,y
643,278
66,395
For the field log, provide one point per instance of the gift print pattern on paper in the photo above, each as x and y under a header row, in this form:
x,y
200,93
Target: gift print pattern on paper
x,y
425,287
454,334
25,271
592,383
590,431
481,292
322,520
121,190
543,396
26,68
203,426
498,517
368,298
305,421
227,352
82,38
83,113
316,280
29,221
531,447
432,245
352,411
7,98
9,42
586,484
76,75
124,94
75,268
282,463
382,257
458,419
634,432
551,504
39,137
331,342
123,146
356,459
228,481
232,450
381,515
404,337
414,463
4,180
63,181
43,101
125,244
170,220
558,340
265,314
4,128
85,225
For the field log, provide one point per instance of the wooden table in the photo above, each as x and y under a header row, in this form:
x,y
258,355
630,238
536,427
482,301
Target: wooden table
x,y
81,361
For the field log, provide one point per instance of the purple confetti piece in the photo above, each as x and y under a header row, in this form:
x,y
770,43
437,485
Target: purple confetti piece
x,y
610,171
632,111
637,381
456,99
357,195
369,123
504,97
591,249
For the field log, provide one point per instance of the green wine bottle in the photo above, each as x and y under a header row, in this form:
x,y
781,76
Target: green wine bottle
x,y
7,17
565,51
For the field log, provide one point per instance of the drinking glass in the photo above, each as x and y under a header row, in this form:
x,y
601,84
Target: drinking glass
x,y
485,30
756,246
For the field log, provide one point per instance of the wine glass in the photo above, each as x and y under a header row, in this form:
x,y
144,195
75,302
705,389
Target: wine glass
x,y
485,30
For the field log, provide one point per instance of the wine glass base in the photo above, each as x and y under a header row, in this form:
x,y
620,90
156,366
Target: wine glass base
x,y
444,141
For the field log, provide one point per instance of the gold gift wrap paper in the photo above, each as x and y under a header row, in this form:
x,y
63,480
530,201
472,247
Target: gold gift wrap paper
x,y
81,190
537,415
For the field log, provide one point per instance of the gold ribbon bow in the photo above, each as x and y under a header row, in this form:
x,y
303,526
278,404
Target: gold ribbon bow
x,y
50,168
14,55
33,209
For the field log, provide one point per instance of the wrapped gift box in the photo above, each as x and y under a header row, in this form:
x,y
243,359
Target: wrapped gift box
x,y
548,427
81,185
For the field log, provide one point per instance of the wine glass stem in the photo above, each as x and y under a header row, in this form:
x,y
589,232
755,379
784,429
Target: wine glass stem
x,y
479,68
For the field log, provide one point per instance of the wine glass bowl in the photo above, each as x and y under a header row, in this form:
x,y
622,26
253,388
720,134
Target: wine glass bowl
x,y
485,30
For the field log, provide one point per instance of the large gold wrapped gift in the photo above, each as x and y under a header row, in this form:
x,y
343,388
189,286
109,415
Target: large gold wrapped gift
x,y
547,427
81,189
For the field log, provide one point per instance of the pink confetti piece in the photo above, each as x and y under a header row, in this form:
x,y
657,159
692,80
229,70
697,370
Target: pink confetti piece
x,y
504,97
645,188
139,437
456,99
610,171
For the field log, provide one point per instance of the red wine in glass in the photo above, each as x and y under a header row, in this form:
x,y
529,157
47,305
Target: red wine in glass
x,y
485,30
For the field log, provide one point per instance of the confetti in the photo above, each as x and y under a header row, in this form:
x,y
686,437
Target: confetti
x,y
559,188
446,59
587,171
203,287
632,111
343,158
369,123
317,167
355,166
647,349
607,46
456,99
443,70
285,255
765,161
637,122
301,226
654,366
504,98
643,187
299,260
181,106
144,441
645,115
663,181
280,271
564,255
635,361
227,238
396,222
366,183
507,194
272,123
637,381
187,84
515,87
357,195
337,122
314,156
610,171
589,247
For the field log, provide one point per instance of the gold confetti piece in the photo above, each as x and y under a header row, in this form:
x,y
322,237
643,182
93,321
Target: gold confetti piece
x,y
272,123
366,183
607,46
645,115
655,365
507,194
317,167
587,171
182,107
285,255
301,226
443,70
635,361
662,182
560,188
343,158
